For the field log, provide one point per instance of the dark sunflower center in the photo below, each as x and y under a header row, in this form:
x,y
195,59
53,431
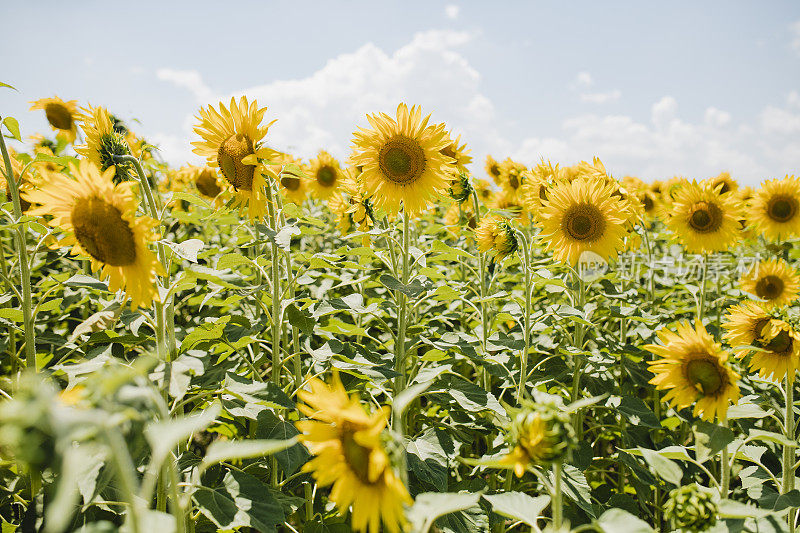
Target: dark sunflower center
x,y
326,176
648,203
584,222
449,151
229,157
513,181
110,145
758,327
769,287
58,116
402,160
494,170
781,343
706,217
356,456
206,183
102,232
290,183
705,374
782,208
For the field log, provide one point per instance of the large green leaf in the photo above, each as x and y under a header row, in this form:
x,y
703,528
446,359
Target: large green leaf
x,y
241,501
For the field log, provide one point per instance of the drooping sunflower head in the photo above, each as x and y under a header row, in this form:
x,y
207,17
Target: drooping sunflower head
x,y
540,434
326,175
777,352
704,220
349,454
104,143
62,116
458,153
694,370
460,187
492,168
773,281
231,141
496,236
775,208
99,219
582,215
402,160
691,508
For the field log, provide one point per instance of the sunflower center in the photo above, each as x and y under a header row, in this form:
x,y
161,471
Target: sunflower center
x,y
494,171
402,160
705,375
206,183
326,176
769,287
58,116
111,145
648,203
290,183
356,456
513,181
706,217
781,343
782,208
584,222
229,157
102,232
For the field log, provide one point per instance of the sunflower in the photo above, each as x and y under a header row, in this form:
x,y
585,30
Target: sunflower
x,y
231,140
492,168
459,153
23,187
773,281
459,216
351,206
103,143
62,116
725,183
100,220
495,235
205,179
775,208
326,175
401,160
540,435
349,454
484,190
703,219
694,369
293,182
582,215
749,324
512,176
533,191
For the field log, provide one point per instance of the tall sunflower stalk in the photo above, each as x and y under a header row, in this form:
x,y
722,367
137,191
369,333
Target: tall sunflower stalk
x,y
526,332
20,231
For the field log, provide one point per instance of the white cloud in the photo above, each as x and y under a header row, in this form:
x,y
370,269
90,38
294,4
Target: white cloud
x,y
794,28
451,11
187,79
601,98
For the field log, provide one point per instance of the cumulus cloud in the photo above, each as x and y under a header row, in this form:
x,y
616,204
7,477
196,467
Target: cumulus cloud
x,y
451,11
320,111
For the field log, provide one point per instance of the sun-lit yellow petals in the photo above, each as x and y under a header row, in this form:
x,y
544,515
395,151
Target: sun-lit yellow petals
x,y
703,219
772,281
775,208
61,115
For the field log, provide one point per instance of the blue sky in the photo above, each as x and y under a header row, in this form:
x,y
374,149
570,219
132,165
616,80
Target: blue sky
x,y
654,90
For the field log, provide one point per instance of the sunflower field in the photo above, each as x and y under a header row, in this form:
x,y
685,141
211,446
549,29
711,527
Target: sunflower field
x,y
391,342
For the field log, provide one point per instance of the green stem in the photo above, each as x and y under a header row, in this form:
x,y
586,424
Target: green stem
x,y
725,469
126,474
789,451
557,506
526,333
701,304
400,341
24,265
577,342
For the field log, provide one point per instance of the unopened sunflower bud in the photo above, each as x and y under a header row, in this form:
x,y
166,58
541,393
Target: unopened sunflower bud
x,y
497,236
689,508
540,435
460,188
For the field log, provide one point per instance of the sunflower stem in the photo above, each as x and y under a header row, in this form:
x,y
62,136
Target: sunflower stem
x,y
22,251
557,506
487,378
701,304
725,468
523,363
577,342
789,450
400,342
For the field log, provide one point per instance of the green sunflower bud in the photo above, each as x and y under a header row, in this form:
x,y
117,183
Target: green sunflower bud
x,y
460,188
544,433
689,508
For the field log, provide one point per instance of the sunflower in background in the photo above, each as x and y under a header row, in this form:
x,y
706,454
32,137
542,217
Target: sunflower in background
x,y
703,219
512,175
99,219
351,206
349,455
484,189
205,180
62,116
401,160
582,215
104,142
496,236
325,175
460,216
694,370
778,353
492,168
231,141
533,191
775,208
773,281
24,186
724,181
458,152
43,145
292,181
668,192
